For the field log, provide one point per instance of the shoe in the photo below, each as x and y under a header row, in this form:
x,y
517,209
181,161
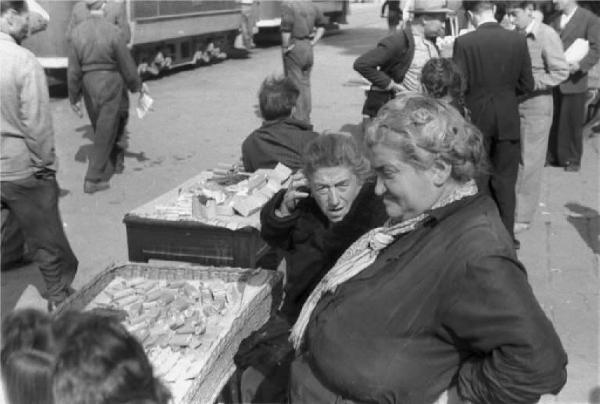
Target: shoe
x,y
90,187
520,227
572,167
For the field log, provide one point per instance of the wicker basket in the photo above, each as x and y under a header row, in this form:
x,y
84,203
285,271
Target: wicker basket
x,y
251,315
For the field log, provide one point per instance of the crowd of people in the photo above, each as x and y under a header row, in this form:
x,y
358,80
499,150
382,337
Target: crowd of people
x,y
401,279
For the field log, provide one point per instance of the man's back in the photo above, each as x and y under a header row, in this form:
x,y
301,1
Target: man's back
x,y
93,41
300,18
494,59
114,13
27,142
497,67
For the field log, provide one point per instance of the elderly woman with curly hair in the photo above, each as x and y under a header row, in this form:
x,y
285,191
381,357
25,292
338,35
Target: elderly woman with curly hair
x,y
327,206
435,303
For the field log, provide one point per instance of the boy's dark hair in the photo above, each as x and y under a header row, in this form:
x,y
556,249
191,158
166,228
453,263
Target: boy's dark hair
x,y
19,6
442,77
26,329
102,363
277,97
27,376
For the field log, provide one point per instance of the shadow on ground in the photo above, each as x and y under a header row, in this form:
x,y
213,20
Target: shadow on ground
x,y
587,223
595,395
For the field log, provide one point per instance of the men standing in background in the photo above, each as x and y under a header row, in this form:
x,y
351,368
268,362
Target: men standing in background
x,y
299,19
28,163
102,69
566,144
395,64
550,68
497,68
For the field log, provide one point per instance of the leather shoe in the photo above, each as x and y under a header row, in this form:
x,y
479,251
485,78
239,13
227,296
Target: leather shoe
x,y
90,187
572,167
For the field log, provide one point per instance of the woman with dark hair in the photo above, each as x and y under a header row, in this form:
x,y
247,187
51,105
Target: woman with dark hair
x,y
326,207
435,299
101,363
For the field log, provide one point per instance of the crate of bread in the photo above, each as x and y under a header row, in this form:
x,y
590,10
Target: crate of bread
x,y
211,219
190,319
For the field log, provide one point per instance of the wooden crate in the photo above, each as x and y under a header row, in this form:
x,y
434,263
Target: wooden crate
x,y
190,241
261,295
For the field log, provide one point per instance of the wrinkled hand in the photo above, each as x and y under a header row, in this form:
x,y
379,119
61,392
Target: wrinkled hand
x,y
573,67
297,190
77,108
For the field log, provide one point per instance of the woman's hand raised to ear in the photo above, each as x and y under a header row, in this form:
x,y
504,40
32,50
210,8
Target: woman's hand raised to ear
x,y
297,189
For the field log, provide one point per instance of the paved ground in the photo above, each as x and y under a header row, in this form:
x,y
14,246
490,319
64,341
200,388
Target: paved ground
x,y
201,117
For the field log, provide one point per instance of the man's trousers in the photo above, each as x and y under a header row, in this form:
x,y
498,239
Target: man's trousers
x,y
105,99
297,65
504,158
536,119
566,144
33,202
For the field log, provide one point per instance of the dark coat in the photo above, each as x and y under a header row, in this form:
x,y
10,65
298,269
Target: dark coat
x,y
279,141
584,24
311,244
389,60
446,303
497,68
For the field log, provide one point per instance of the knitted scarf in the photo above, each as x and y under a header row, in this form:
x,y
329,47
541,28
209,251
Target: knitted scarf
x,y
363,253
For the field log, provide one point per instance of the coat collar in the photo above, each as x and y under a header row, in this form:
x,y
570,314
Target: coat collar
x,y
571,25
290,121
488,25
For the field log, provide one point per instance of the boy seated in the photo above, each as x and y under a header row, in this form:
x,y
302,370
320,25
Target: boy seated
x,y
281,138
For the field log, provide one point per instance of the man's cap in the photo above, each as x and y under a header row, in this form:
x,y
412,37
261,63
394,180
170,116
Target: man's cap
x,y
431,7
94,4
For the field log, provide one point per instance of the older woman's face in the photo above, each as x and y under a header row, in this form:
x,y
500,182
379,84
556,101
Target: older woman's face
x,y
407,192
335,189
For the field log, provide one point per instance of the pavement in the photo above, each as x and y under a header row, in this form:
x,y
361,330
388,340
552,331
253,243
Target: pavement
x,y
202,115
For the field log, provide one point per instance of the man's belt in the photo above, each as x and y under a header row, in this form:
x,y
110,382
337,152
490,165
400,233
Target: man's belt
x,y
98,66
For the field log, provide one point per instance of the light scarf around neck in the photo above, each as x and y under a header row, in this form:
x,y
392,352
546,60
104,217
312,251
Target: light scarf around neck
x,y
362,253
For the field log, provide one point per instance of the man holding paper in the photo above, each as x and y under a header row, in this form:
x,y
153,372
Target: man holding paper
x,y
579,31
549,69
101,68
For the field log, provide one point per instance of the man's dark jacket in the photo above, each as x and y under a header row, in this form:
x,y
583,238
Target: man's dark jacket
x,y
311,244
388,61
584,24
497,68
278,141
